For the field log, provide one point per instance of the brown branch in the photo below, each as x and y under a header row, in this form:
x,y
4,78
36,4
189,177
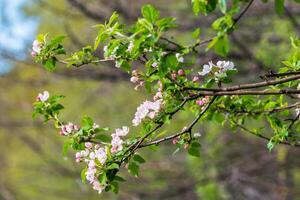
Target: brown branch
x,y
250,85
186,130
275,110
245,92
264,137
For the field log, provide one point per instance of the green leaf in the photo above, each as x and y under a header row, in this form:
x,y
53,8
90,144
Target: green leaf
x,y
103,138
115,187
150,13
139,159
146,24
56,40
119,178
222,46
113,166
49,64
102,178
223,6
133,169
83,174
87,123
196,7
165,23
66,147
196,33
125,65
279,6
194,149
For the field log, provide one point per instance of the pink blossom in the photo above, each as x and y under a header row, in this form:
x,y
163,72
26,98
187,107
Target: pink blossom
x,y
68,129
98,187
33,54
200,102
36,47
100,154
195,78
173,76
174,141
181,72
147,109
157,96
134,79
116,143
154,64
88,145
122,132
43,96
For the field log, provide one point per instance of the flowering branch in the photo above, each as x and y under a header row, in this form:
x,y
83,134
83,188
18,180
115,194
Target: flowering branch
x,y
174,86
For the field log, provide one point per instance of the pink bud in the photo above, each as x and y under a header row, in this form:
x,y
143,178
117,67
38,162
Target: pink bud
x,y
33,54
134,79
174,76
186,146
181,72
200,102
196,78
174,141
76,127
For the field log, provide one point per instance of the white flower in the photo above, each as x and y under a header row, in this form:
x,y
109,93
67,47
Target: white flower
x,y
43,96
116,144
147,109
97,186
95,126
36,46
134,79
122,132
225,65
130,46
154,64
179,57
101,155
158,96
206,69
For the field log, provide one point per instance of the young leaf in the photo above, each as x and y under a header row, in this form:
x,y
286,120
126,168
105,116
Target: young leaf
x,y
113,166
50,64
87,123
138,159
83,174
133,169
194,149
103,138
150,13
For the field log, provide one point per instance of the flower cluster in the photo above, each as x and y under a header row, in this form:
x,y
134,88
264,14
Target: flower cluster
x,y
68,129
36,48
147,109
95,157
136,80
43,96
203,101
218,70
117,142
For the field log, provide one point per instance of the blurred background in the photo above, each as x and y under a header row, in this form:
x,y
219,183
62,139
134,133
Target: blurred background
x,y
231,166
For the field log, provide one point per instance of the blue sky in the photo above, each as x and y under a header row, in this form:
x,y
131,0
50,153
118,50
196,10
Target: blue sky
x,y
17,32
